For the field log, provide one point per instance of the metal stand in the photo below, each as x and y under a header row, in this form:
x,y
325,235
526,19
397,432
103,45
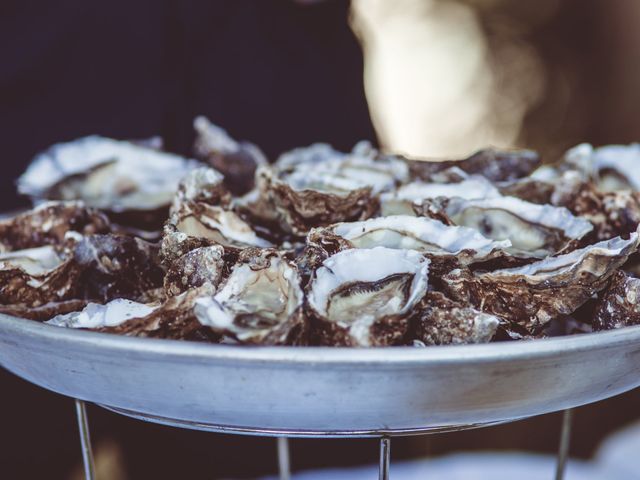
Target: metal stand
x,y
85,440
563,449
283,448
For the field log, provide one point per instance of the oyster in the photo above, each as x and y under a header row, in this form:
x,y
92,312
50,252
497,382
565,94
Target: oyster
x,y
116,176
495,165
237,161
535,294
318,186
619,305
95,315
118,266
201,185
365,297
612,167
196,225
534,230
400,202
194,269
442,321
37,276
422,234
260,302
50,224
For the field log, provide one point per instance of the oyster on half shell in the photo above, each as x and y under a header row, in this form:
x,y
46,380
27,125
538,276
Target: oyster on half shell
x,y
534,230
536,293
260,302
611,168
364,297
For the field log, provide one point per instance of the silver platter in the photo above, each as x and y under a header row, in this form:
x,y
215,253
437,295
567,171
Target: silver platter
x,y
322,391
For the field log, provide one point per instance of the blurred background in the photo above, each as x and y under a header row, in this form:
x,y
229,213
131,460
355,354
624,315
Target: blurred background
x,y
429,78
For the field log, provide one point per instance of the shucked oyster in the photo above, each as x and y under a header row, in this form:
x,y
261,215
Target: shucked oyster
x,y
612,167
260,302
95,315
401,201
534,230
422,234
442,321
112,175
534,294
319,186
619,305
236,160
496,165
364,297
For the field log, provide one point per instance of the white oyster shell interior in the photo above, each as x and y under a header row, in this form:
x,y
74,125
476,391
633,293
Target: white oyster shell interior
x,y
119,175
94,315
354,288
34,261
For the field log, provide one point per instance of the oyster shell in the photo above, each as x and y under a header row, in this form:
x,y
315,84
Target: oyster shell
x,y
495,165
194,269
318,186
95,315
119,266
201,185
619,305
534,294
612,167
364,297
442,321
400,202
112,175
534,230
237,161
422,234
260,302
50,224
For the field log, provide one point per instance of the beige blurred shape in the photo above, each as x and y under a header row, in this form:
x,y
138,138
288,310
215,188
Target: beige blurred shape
x,y
435,86
109,462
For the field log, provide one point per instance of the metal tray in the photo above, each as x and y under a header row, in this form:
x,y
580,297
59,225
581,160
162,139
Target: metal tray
x,y
322,391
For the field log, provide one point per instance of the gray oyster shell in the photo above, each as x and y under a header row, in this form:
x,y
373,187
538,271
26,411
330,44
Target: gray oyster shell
x,y
194,269
108,174
364,297
95,315
441,321
201,185
260,302
611,168
534,294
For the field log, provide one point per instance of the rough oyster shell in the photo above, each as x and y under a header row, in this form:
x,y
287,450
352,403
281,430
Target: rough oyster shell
x,y
237,161
260,302
619,305
496,165
201,185
194,269
534,294
50,224
119,266
534,230
442,321
612,167
364,297
108,174
400,202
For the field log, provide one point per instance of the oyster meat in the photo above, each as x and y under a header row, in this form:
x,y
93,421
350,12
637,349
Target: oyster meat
x,y
237,161
364,297
535,294
442,321
260,302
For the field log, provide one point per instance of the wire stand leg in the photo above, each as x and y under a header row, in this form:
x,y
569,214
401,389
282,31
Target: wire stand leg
x,y
563,449
284,465
85,440
385,458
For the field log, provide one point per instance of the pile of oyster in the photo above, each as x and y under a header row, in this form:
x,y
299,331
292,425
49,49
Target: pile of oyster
x,y
323,247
